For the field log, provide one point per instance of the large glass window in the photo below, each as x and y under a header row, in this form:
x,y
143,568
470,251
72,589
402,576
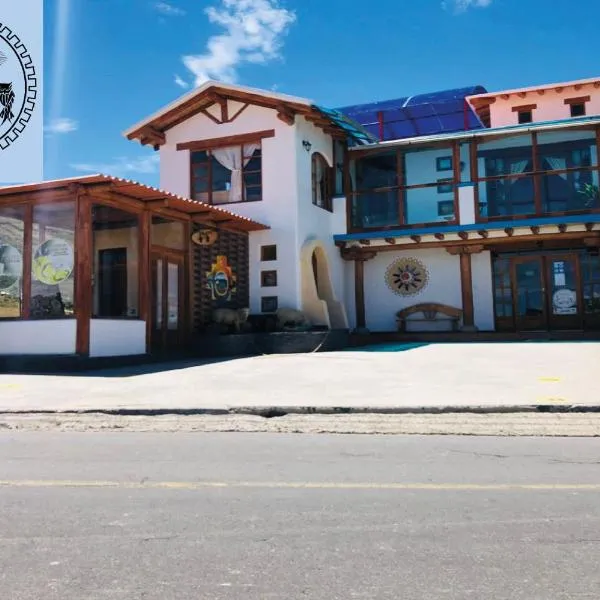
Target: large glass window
x,y
225,175
506,165
555,172
53,261
12,229
115,281
569,182
417,185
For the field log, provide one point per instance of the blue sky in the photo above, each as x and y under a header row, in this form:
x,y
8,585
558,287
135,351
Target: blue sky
x,y
110,63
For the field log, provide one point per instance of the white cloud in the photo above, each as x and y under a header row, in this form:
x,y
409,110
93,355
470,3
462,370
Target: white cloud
x,y
254,32
169,10
181,82
122,166
61,125
461,6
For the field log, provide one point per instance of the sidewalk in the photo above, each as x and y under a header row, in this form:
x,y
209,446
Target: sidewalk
x,y
429,378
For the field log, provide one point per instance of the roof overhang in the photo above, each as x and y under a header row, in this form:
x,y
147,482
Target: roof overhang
x,y
151,131
127,192
585,228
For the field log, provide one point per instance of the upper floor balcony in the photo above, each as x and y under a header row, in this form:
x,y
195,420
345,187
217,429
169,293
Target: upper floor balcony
x,y
511,174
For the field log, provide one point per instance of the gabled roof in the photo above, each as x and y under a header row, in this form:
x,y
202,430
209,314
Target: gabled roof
x,y
132,190
414,116
152,129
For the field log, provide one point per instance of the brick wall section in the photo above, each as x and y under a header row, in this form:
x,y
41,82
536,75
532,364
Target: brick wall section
x,y
235,247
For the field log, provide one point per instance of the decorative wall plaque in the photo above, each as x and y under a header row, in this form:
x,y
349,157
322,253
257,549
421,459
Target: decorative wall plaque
x,y
205,237
221,280
407,276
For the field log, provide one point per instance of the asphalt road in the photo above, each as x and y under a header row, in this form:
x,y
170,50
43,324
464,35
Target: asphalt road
x,y
258,516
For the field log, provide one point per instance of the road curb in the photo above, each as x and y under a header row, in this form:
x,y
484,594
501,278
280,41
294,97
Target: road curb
x,y
281,411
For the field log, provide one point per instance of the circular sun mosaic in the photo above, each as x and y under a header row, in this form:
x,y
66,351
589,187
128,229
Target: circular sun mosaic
x,y
406,276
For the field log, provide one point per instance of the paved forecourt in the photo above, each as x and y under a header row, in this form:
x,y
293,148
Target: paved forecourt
x,y
426,376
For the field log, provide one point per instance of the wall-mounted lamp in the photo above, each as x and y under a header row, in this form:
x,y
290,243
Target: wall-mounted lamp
x,y
307,145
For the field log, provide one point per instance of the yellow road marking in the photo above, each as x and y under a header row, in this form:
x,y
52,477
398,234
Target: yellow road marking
x,y
549,379
198,485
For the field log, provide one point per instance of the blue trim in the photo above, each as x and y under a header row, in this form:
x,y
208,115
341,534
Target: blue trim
x,y
465,184
492,225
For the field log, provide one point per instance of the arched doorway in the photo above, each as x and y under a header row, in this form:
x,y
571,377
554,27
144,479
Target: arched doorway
x,y
319,302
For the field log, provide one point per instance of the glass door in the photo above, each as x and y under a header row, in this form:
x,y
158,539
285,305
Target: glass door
x,y
167,301
529,294
564,298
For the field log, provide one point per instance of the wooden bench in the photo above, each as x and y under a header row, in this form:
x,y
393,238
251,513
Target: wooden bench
x,y
430,312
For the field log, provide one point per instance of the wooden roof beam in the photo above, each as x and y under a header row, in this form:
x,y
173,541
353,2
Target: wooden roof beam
x,y
285,114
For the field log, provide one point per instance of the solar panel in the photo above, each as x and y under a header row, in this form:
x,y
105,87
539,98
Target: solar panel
x,y
425,114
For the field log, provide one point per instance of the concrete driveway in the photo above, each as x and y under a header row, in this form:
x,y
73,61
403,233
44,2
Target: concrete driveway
x,y
429,375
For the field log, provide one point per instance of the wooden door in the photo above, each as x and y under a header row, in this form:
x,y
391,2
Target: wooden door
x,y
168,304
529,293
565,308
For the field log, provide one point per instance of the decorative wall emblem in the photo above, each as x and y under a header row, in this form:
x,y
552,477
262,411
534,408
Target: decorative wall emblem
x,y
220,280
18,86
407,276
205,237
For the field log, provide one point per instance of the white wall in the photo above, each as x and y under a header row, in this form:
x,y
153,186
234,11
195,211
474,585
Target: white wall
x,y
117,337
314,222
381,304
279,205
466,204
483,293
38,337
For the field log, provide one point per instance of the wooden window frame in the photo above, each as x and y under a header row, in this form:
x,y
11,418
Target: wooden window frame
x,y
264,278
209,177
400,189
263,252
525,108
536,174
265,300
327,201
580,101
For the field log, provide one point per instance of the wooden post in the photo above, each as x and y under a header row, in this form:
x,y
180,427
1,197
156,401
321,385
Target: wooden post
x,y
145,223
466,281
359,292
27,261
359,257
83,272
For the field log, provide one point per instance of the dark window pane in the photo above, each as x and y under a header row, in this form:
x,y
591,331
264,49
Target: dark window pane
x,y
200,156
376,171
578,110
375,209
268,253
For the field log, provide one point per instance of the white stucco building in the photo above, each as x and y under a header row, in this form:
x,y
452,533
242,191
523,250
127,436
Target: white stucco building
x,y
404,218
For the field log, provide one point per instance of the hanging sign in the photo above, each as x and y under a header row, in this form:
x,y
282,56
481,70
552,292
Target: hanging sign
x,y
53,262
205,237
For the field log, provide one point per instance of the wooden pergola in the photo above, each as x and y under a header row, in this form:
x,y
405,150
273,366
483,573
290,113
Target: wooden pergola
x,y
135,198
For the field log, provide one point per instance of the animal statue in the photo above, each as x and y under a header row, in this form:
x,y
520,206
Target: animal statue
x,y
231,317
291,319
